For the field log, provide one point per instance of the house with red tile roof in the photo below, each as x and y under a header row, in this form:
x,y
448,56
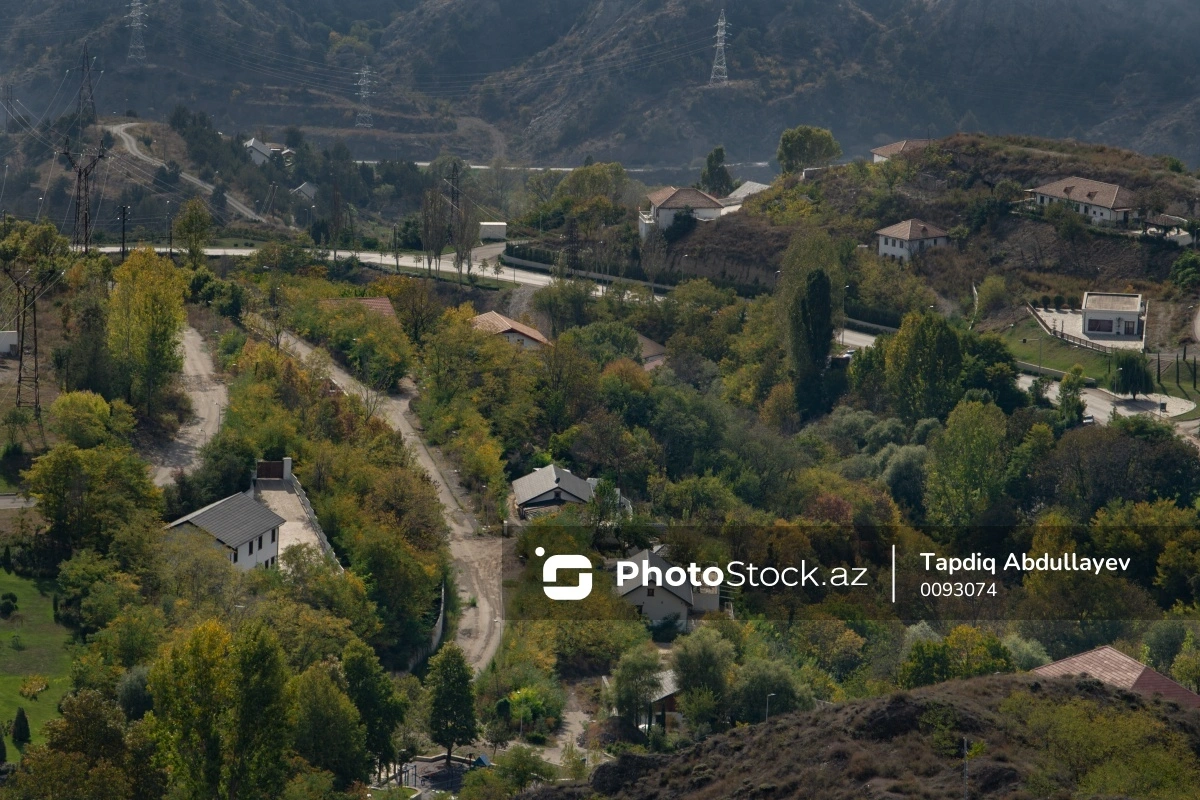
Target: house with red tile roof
x,y
905,239
1101,203
518,333
669,201
888,151
1111,666
377,305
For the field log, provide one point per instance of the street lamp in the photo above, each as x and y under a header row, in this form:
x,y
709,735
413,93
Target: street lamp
x,y
846,289
767,717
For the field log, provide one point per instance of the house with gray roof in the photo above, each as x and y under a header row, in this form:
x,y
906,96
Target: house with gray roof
x,y
246,529
656,599
549,488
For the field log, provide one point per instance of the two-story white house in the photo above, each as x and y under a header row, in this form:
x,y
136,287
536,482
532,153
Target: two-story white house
x,y
496,324
669,201
1101,203
905,239
658,600
244,528
889,151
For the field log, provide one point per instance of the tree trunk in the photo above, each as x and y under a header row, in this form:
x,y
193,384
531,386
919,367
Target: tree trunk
x,y
449,750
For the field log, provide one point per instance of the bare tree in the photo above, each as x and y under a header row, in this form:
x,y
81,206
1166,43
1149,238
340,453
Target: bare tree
x,y
435,227
273,309
464,234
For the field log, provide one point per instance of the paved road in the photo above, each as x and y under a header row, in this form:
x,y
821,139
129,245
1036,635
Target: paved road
x,y
130,144
209,398
477,559
11,501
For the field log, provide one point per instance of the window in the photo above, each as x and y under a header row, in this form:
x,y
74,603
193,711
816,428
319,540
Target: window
x,y
1100,326
250,547
260,543
649,591
235,555
273,535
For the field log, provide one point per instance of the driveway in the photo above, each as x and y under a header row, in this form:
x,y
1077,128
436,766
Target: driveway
x,y
209,398
1100,403
130,144
477,559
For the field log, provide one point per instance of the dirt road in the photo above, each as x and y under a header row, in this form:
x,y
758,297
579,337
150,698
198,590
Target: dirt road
x,y
477,559
208,396
130,145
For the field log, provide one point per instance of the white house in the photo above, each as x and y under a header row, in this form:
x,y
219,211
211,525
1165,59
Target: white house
x,y
668,201
1101,203
493,231
518,333
247,530
659,600
549,488
888,151
259,151
904,239
1106,313
307,190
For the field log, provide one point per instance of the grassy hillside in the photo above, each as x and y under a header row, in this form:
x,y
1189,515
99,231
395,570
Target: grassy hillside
x,y
44,651
1026,737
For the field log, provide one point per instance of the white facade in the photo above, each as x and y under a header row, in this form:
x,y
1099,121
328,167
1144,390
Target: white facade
x,y
262,551
1114,315
904,249
1097,215
493,231
8,343
657,603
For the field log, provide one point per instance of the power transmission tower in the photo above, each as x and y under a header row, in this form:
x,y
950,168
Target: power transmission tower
x,y
27,284
87,101
81,236
137,23
364,119
720,74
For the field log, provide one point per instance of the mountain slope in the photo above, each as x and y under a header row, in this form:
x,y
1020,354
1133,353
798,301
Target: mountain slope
x,y
554,80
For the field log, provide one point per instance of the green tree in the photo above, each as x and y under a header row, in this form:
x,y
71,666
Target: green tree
x,y
636,680
145,320
81,418
451,700
485,784
1131,373
521,766
1185,272
20,728
967,465
256,734
923,367
806,146
703,660
1070,398
193,226
375,697
715,178
329,733
810,334
760,677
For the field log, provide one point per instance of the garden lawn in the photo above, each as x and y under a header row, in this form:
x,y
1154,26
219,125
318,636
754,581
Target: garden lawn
x,y
46,652
1055,353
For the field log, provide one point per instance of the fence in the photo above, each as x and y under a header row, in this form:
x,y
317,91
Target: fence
x,y
1087,344
435,639
312,516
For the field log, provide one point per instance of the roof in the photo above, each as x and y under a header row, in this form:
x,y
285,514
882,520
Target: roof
x,y
1114,668
912,230
496,323
902,146
748,189
380,305
1102,301
667,686
669,197
652,352
260,146
547,479
233,521
308,189
683,592
1084,190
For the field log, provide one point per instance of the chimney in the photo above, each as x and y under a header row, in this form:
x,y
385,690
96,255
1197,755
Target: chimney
x,y
287,468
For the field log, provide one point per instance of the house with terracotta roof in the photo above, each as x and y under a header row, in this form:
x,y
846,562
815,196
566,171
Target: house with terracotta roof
x,y
905,239
518,333
376,305
1101,203
1118,670
669,201
889,151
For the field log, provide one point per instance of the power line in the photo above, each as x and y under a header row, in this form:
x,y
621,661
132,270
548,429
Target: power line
x,y
137,22
81,235
87,99
364,119
720,74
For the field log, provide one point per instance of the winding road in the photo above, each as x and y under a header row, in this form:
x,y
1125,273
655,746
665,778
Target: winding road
x,y
127,140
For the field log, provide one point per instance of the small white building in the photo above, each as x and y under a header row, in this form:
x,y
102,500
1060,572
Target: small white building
x,y
247,530
905,239
1109,314
660,602
259,151
889,151
9,341
518,333
493,231
1101,203
307,190
669,201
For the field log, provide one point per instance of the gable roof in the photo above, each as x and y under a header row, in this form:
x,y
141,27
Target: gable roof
x,y
902,146
380,305
308,188
1114,668
683,592
748,189
547,479
496,323
669,197
1085,190
912,230
260,146
234,520
668,686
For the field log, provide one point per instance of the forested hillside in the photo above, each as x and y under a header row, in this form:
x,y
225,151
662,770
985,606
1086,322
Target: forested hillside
x,y
628,80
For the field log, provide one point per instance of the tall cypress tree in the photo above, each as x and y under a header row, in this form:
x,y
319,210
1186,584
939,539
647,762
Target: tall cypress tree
x,y
20,728
810,329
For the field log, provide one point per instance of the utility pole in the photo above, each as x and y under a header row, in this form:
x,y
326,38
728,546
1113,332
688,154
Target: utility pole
x,y
124,216
87,101
336,217
137,23
81,236
720,74
27,286
364,119
8,107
